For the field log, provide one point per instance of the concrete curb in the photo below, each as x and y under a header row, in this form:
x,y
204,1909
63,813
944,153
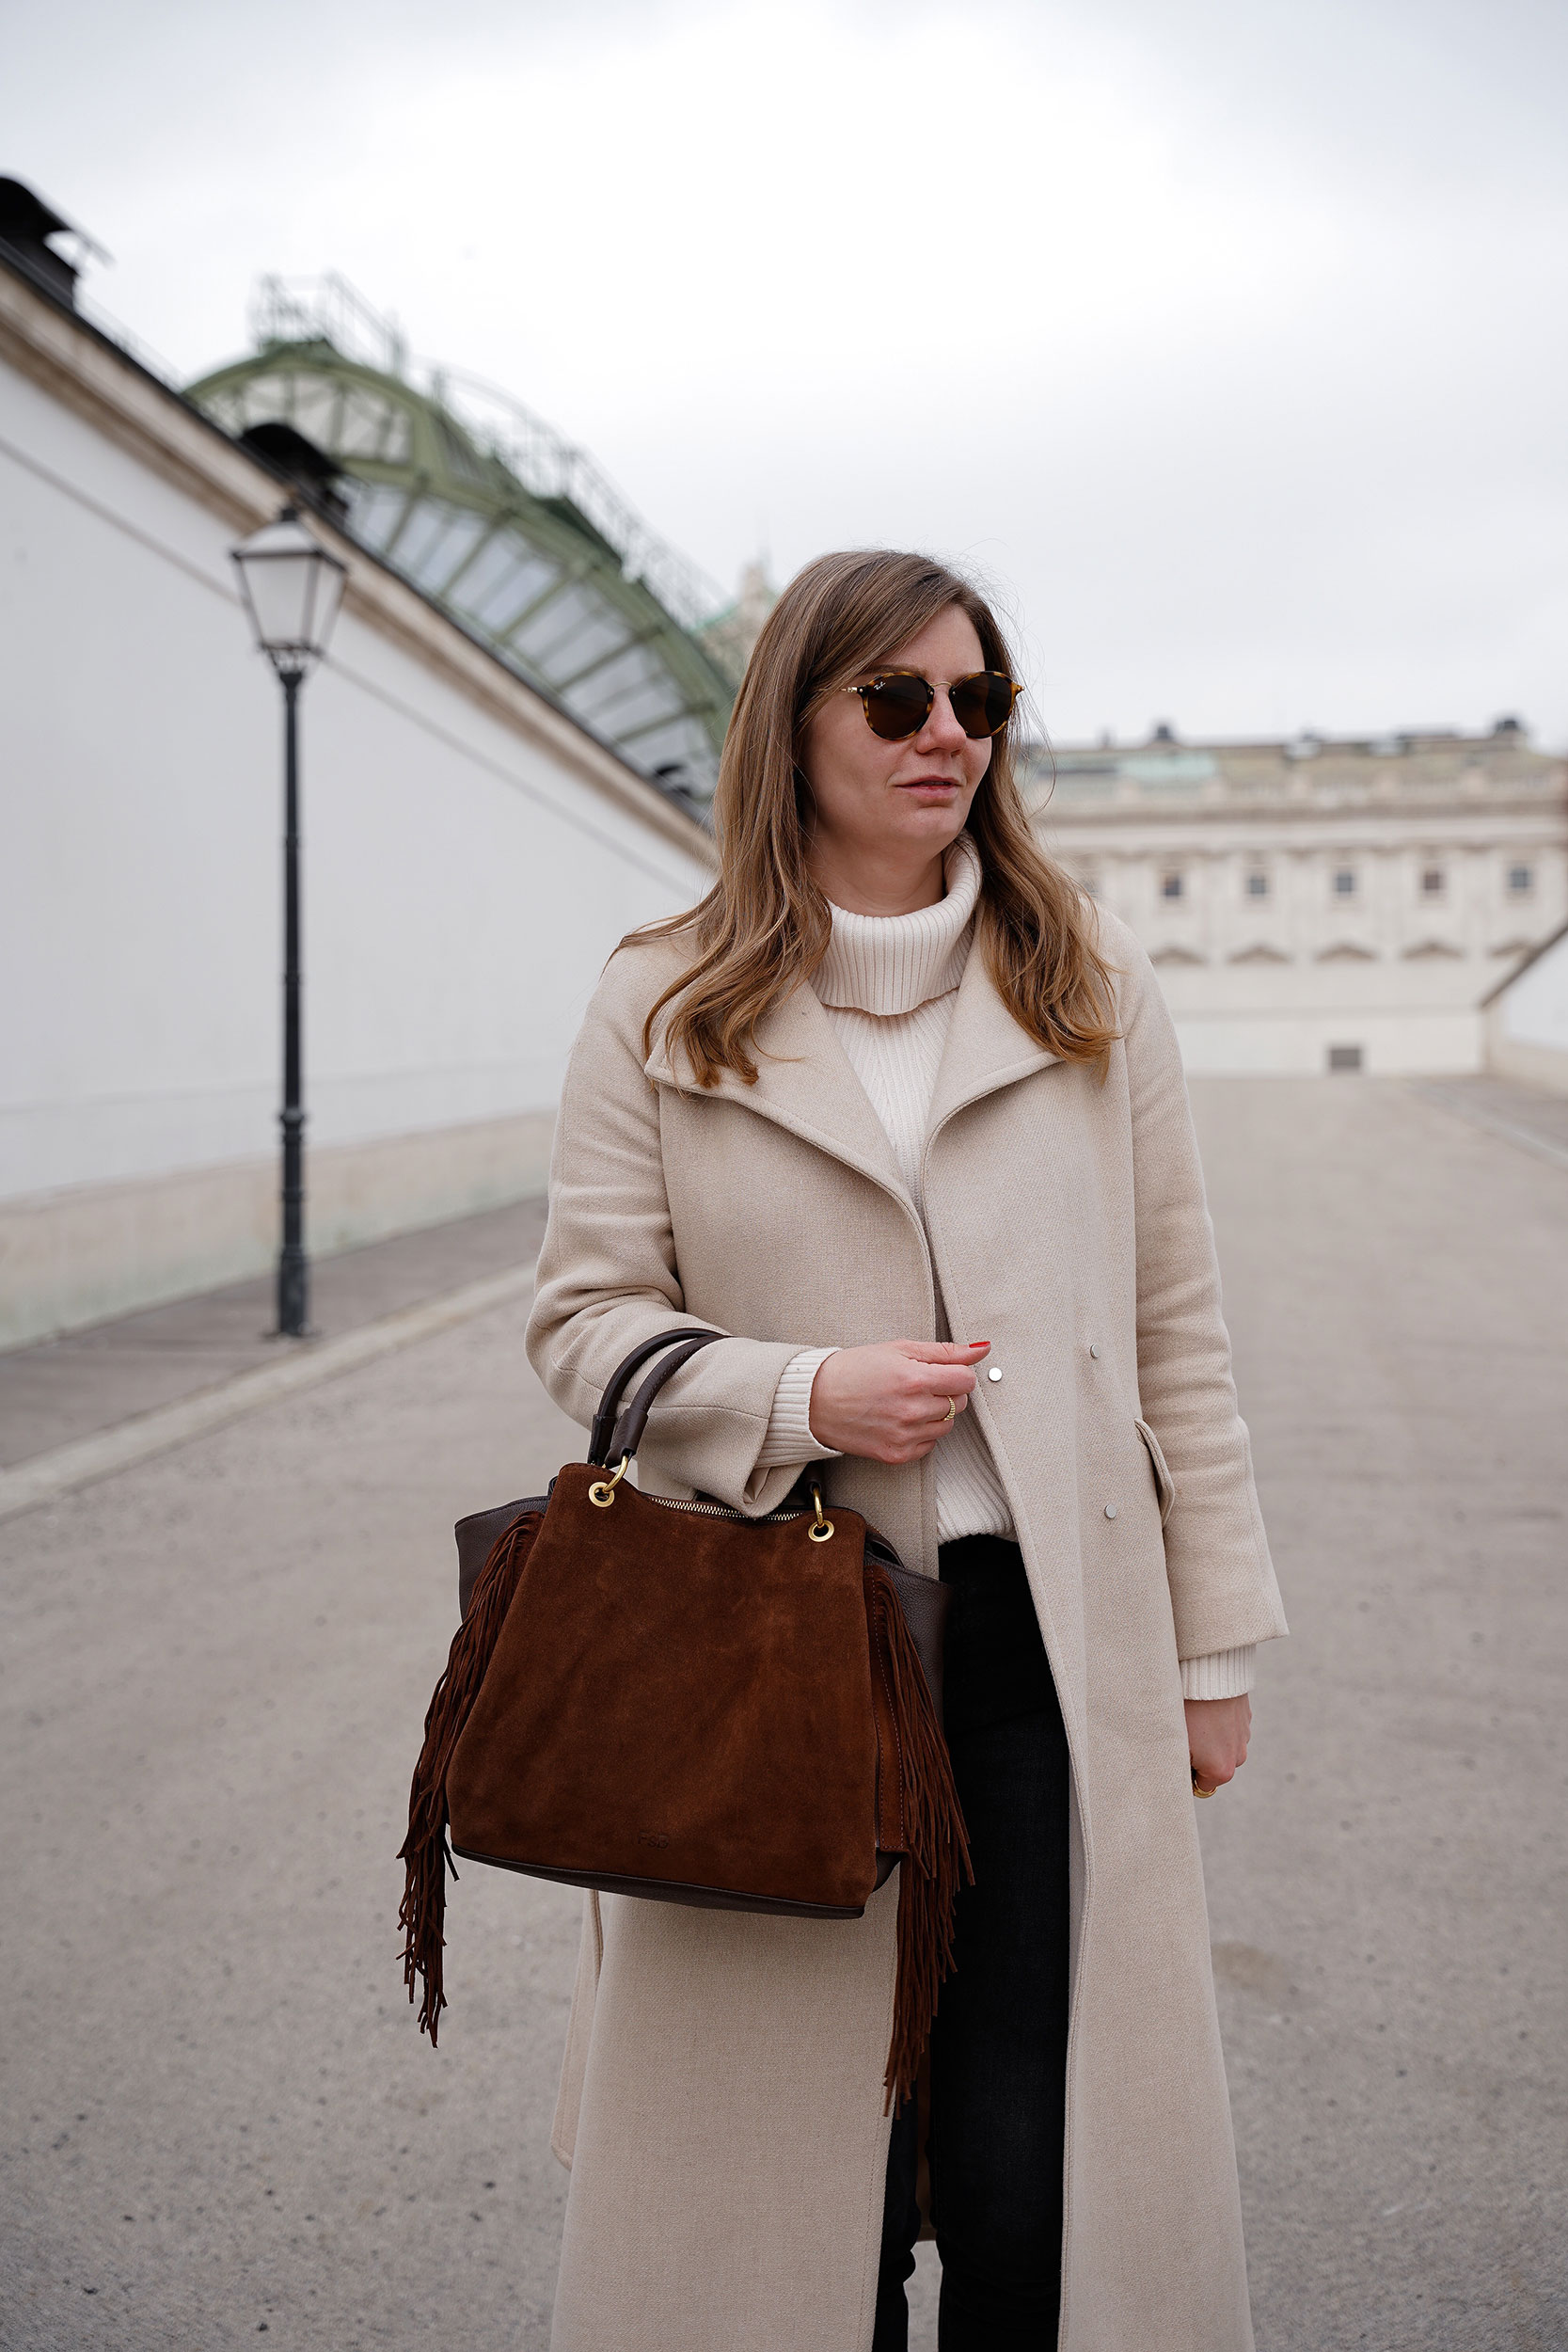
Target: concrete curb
x,y
1479,1115
68,1466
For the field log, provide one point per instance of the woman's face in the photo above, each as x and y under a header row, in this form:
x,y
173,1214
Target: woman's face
x,y
872,797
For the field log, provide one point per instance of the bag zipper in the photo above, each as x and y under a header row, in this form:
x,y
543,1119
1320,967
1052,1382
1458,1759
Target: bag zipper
x,y
722,1511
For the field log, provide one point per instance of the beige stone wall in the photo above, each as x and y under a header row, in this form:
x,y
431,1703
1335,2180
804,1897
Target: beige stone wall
x,y
77,1256
1518,1057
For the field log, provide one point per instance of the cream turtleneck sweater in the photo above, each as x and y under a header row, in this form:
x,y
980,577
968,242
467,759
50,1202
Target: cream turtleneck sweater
x,y
888,984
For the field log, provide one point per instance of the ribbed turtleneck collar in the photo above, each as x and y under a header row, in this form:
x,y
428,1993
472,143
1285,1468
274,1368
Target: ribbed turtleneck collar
x,y
890,963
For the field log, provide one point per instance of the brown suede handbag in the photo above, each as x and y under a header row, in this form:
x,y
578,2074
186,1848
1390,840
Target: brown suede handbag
x,y
669,1699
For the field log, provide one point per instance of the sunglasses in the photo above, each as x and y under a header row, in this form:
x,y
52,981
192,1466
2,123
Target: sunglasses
x,y
897,703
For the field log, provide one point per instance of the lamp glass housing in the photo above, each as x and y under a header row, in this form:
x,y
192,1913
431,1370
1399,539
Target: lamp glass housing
x,y
292,587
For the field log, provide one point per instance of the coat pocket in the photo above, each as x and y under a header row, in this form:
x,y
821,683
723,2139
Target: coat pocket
x,y
1164,1484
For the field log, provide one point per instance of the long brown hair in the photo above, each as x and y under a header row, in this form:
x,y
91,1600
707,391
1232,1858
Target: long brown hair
x,y
764,925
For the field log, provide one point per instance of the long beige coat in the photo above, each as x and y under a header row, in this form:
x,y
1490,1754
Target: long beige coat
x,y
722,2099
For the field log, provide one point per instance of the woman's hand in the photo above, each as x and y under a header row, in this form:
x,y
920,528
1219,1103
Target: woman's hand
x,y
889,1402
1217,1734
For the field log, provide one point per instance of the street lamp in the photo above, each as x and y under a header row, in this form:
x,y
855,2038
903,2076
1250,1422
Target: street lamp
x,y
292,588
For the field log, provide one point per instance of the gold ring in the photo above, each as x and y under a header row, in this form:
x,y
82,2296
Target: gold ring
x,y
1196,1790
602,1493
952,1410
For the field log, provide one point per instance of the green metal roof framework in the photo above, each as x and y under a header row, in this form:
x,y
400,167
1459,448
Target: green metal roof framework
x,y
499,521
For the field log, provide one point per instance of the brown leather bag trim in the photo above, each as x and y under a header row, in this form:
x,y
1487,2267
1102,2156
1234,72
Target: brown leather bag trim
x,y
478,1534
678,1890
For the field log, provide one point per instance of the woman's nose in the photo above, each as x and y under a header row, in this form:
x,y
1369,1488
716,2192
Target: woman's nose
x,y
941,731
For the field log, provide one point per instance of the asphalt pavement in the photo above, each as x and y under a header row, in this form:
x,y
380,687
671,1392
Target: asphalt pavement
x,y
219,2119
1386,1876
56,1392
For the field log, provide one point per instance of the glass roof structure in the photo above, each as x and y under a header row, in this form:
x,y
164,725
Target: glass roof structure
x,y
498,520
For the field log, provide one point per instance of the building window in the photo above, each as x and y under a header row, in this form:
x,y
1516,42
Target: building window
x,y
1345,881
1521,880
1344,1057
1432,881
1257,886
1173,883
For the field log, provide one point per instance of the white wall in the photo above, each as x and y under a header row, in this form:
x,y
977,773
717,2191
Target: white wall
x,y
1534,1007
1527,1023
1298,1045
1279,1019
463,882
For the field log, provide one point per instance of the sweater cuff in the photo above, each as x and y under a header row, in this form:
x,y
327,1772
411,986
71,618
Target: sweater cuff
x,y
1225,1674
789,1439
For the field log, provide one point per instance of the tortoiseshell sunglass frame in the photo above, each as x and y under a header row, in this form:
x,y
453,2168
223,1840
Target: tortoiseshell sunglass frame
x,y
986,686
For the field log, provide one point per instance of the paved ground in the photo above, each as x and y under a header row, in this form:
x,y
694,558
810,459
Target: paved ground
x,y
62,1390
218,2119
1386,1878
1525,1115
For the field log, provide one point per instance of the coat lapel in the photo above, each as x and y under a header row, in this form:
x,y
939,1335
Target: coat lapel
x,y
805,1082
986,1048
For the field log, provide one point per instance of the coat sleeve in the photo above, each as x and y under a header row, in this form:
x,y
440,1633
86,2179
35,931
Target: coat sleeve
x,y
608,1276
1221,1582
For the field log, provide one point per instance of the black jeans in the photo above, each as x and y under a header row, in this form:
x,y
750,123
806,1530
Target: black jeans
x,y
999,2046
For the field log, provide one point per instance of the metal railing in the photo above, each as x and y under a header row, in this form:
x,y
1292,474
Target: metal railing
x,y
329,309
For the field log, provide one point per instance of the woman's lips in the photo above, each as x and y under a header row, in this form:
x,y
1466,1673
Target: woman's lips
x,y
932,783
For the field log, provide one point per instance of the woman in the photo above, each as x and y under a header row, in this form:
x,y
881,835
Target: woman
x,y
893,1083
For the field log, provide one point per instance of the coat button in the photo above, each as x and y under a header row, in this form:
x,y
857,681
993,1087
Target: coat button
x,y
994,1372
1110,1510
1094,1351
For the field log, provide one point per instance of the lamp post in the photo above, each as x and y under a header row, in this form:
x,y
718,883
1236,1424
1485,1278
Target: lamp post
x,y
292,589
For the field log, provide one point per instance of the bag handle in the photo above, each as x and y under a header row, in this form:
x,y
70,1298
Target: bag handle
x,y
615,1433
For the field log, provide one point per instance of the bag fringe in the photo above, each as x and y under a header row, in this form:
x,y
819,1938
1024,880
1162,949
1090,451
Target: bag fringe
x,y
424,1852
936,1844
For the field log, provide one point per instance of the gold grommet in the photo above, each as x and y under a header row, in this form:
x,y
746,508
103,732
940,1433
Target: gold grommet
x,y
602,1492
820,1530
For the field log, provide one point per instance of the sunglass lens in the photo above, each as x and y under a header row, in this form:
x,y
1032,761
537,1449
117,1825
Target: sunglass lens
x,y
897,706
982,705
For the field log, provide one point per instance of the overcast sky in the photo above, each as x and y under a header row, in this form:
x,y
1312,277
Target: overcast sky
x,y
1226,339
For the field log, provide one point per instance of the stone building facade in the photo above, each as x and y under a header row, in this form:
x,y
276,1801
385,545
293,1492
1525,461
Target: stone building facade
x,y
1322,903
